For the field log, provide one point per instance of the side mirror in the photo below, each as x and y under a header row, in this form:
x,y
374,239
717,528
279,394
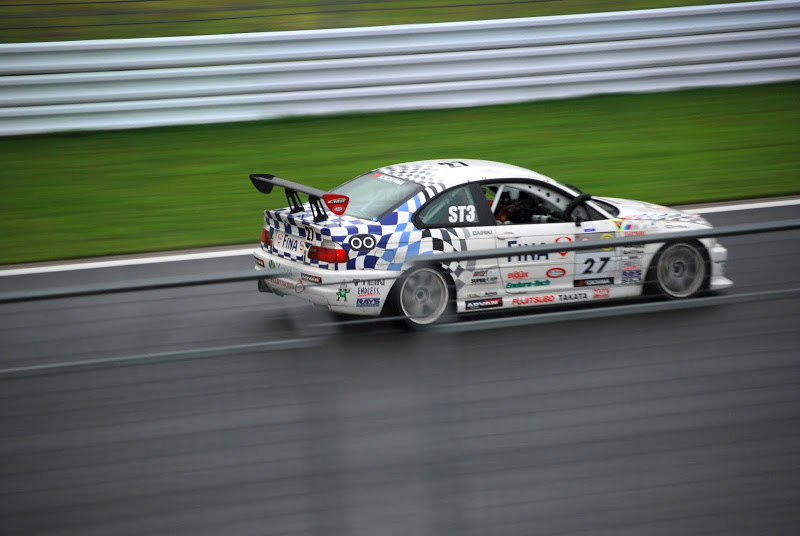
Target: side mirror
x,y
578,221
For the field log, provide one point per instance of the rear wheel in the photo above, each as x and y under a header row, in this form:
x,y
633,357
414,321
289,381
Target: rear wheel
x,y
680,270
423,296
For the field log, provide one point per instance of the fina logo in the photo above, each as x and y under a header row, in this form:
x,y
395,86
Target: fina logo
x,y
362,242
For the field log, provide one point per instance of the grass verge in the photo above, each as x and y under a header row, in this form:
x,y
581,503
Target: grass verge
x,y
100,193
65,20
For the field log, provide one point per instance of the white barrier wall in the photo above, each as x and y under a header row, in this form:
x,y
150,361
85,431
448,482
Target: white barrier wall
x,y
130,83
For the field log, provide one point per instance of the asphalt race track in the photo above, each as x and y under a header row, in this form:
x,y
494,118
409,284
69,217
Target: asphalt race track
x,y
682,422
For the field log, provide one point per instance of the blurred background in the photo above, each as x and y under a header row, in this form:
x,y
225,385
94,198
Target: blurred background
x,y
216,409
93,19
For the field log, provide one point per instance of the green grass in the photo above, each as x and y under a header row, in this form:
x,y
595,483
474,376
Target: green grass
x,y
57,20
99,193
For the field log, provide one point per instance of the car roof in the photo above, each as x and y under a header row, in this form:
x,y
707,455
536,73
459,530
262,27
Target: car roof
x,y
448,172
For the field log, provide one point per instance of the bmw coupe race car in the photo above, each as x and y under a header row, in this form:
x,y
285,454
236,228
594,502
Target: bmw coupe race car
x,y
355,259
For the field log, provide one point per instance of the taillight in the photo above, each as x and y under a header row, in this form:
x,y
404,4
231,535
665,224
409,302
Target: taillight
x,y
328,252
266,237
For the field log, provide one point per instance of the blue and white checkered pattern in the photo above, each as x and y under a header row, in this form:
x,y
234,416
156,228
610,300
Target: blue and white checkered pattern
x,y
396,236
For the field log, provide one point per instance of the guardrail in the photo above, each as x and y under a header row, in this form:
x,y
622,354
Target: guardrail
x,y
130,83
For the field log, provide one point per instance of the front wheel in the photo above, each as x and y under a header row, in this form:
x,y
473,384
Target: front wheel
x,y
423,296
680,270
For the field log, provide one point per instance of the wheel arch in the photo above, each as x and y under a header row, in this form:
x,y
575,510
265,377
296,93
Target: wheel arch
x,y
650,280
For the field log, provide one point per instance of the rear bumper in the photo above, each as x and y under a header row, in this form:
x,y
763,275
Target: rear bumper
x,y
356,292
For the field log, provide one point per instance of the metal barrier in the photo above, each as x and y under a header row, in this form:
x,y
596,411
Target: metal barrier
x,y
325,330
110,84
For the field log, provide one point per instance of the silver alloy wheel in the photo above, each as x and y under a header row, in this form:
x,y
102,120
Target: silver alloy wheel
x,y
424,296
681,270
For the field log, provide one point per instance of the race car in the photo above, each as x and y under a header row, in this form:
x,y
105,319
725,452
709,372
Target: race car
x,y
348,250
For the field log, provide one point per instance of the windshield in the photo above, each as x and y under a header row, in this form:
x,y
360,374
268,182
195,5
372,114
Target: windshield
x,y
375,194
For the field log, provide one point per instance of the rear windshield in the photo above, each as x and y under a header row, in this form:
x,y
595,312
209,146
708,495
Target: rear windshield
x,y
374,194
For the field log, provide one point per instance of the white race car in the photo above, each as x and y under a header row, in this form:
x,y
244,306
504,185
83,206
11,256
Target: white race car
x,y
353,260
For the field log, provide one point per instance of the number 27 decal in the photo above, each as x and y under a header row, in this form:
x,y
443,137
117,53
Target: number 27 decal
x,y
591,262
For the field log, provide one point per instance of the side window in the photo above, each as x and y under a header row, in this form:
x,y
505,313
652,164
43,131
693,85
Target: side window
x,y
453,208
531,202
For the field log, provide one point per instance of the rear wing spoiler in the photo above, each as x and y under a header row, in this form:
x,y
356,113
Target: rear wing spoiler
x,y
319,199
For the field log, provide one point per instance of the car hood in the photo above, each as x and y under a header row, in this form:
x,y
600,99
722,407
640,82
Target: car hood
x,y
639,210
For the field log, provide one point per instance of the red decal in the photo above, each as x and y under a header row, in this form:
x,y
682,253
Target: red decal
x,y
559,239
602,293
336,203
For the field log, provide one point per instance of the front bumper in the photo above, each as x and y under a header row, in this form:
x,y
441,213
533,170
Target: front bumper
x,y
356,292
718,260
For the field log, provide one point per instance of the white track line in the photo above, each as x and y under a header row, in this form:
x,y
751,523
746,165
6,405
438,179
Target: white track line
x,y
743,206
88,265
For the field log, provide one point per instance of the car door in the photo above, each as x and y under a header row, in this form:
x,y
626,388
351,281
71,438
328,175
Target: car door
x,y
461,216
532,213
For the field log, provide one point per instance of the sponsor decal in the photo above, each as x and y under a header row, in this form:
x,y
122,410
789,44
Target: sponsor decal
x,y
368,302
633,233
310,278
596,282
600,293
573,296
282,282
276,266
517,275
482,294
362,242
483,232
555,273
533,256
606,236
336,203
617,224
386,178
633,250
526,284
286,241
632,262
366,292
342,294
533,300
589,230
369,282
632,275
486,303
484,277
562,239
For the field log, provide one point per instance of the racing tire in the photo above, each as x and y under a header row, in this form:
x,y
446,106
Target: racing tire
x,y
424,297
679,270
